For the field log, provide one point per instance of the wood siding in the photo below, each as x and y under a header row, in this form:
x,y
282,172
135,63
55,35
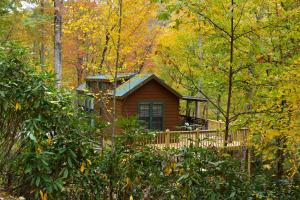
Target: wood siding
x,y
153,91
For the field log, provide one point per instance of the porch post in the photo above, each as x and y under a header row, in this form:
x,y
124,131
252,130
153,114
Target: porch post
x,y
187,110
198,109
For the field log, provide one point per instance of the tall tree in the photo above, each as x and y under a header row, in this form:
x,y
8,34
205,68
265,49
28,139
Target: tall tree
x,y
43,38
250,56
118,52
95,41
57,41
234,32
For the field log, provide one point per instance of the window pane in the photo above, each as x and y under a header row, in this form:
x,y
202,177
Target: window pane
x,y
144,115
102,86
89,84
157,110
144,110
145,121
156,123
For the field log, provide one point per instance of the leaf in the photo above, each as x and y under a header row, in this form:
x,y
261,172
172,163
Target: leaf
x,y
89,161
44,162
37,181
128,182
59,184
28,169
2,94
82,167
168,170
232,195
183,177
32,137
66,173
18,106
43,196
70,162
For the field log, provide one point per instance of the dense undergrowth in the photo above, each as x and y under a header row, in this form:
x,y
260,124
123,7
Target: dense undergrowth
x,y
50,151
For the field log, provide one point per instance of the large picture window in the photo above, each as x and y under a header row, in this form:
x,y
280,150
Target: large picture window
x,y
150,114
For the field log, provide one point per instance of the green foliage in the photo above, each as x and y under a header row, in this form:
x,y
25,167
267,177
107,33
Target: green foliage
x,y
41,129
265,63
49,151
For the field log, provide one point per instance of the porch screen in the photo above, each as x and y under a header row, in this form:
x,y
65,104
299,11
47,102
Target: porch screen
x,y
151,115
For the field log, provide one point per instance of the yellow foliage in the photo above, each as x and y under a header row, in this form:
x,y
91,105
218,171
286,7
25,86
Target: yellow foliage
x,y
43,196
170,167
87,32
82,167
38,150
128,182
131,197
18,106
49,141
89,161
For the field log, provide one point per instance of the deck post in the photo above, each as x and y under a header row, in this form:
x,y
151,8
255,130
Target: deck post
x,y
167,138
244,158
249,163
197,138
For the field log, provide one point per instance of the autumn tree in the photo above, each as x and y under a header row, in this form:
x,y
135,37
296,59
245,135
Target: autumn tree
x,y
245,54
95,41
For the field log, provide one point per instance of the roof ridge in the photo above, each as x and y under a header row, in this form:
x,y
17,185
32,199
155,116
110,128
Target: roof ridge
x,y
132,83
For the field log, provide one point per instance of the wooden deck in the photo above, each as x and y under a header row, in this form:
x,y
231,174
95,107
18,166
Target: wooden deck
x,y
204,138
199,138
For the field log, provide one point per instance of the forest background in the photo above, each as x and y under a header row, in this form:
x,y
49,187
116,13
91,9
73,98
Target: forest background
x,y
242,55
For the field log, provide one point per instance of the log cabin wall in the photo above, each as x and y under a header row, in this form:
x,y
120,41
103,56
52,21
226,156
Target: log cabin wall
x,y
153,91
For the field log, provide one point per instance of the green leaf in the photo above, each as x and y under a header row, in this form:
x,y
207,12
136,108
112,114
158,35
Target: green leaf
x,y
70,162
183,177
66,172
37,181
44,162
32,137
28,169
232,195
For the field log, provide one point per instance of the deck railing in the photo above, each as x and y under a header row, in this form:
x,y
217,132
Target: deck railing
x,y
199,138
204,138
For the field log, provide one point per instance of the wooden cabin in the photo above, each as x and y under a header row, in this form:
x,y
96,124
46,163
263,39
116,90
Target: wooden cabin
x,y
150,99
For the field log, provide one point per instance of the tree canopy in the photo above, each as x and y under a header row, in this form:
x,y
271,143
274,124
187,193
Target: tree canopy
x,y
243,56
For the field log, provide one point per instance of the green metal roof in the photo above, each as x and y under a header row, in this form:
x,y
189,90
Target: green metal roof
x,y
131,84
109,76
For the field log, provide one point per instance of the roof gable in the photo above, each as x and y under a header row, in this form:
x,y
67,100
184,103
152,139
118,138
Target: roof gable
x,y
138,81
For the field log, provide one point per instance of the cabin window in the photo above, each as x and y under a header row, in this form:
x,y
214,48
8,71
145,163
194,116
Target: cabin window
x,y
89,84
150,114
102,86
89,104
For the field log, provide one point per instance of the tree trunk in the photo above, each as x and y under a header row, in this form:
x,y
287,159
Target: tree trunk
x,y
281,145
107,38
230,77
116,69
79,68
219,104
42,55
57,41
